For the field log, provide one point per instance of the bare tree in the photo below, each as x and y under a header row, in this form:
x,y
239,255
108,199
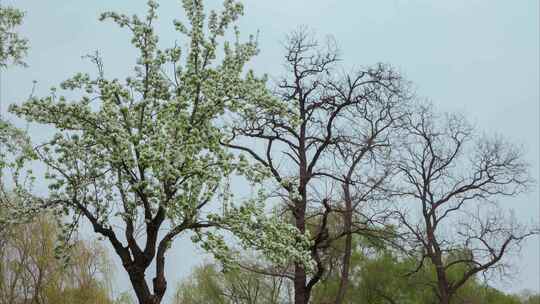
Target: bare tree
x,y
455,176
362,166
297,138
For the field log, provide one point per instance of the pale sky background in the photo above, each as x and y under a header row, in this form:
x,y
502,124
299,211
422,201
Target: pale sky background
x,y
478,57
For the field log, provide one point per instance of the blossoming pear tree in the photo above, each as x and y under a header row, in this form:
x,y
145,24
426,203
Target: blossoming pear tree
x,y
13,47
15,152
15,149
141,159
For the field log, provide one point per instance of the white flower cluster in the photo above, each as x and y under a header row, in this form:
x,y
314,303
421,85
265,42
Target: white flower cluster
x,y
16,204
278,241
12,47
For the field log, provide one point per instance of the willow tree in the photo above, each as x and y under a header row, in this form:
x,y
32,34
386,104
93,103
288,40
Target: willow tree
x,y
143,156
206,284
30,273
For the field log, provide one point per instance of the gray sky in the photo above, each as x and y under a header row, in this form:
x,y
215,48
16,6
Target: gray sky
x,y
478,57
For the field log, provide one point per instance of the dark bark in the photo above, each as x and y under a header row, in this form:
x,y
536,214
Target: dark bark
x,y
301,295
347,251
323,107
447,168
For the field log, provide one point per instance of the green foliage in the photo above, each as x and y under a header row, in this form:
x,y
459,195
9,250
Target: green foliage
x,y
202,287
30,273
530,298
207,284
379,276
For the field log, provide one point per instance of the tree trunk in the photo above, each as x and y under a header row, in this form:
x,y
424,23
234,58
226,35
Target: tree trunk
x,y
140,286
300,290
301,295
442,281
444,298
347,219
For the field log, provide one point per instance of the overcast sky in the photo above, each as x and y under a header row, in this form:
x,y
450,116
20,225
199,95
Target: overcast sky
x,y
478,57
